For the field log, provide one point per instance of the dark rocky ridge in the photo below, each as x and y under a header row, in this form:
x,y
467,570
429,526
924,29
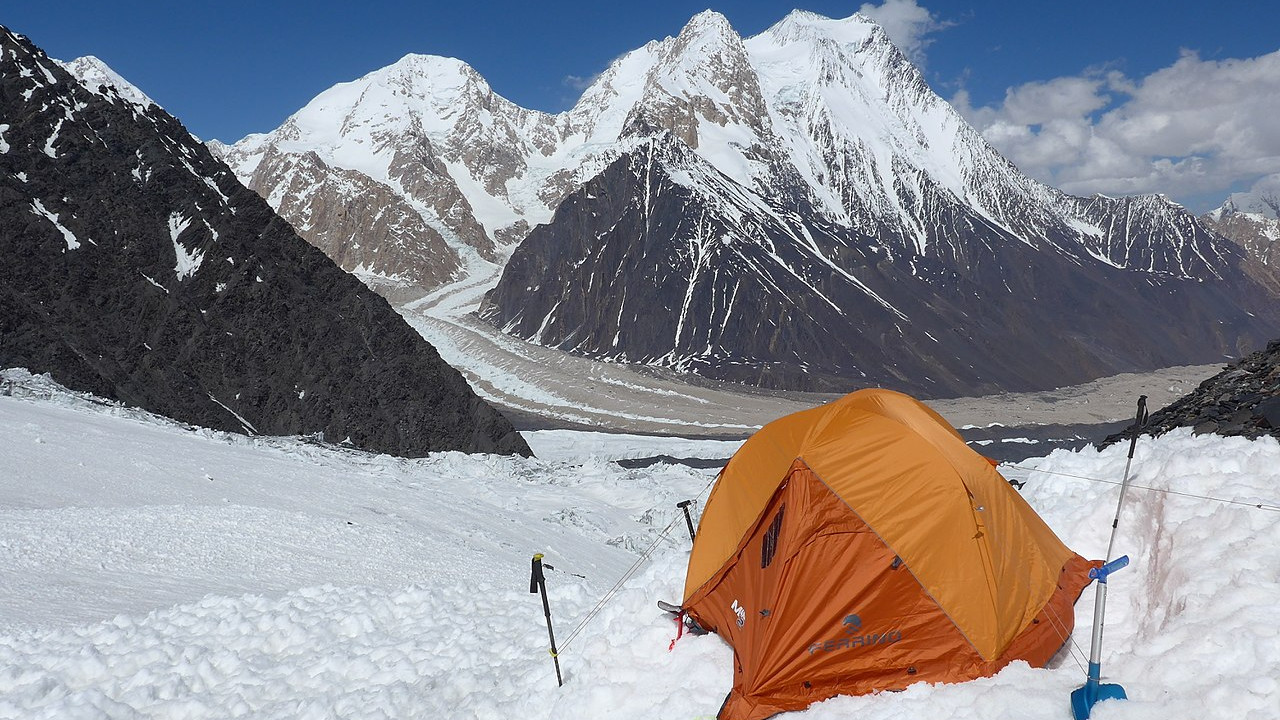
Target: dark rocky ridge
x,y
1242,400
133,265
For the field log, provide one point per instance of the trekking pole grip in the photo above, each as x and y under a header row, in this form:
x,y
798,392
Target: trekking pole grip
x,y
536,576
1139,421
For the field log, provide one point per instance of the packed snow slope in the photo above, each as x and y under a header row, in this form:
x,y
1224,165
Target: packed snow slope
x,y
154,570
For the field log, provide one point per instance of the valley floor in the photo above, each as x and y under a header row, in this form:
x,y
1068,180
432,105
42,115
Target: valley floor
x,y
543,388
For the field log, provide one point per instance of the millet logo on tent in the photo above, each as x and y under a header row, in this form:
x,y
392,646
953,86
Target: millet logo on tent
x,y
854,638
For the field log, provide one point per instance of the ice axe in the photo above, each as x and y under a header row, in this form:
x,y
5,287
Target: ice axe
x,y
1094,690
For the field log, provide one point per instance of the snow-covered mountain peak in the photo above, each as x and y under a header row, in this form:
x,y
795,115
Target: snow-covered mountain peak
x,y
1252,220
853,55
708,37
1262,201
805,25
428,129
95,74
708,22
816,153
703,78
434,80
858,117
420,94
707,47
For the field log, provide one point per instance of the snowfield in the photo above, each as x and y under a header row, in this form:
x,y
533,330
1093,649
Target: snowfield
x,y
152,570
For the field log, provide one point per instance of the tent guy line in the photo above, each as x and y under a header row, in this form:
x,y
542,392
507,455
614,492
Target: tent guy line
x,y
631,571
1255,505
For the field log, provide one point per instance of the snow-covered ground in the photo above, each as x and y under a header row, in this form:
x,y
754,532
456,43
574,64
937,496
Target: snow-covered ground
x,y
151,570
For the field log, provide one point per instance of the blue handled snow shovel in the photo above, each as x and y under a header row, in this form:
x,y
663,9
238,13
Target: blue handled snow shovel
x,y
1094,691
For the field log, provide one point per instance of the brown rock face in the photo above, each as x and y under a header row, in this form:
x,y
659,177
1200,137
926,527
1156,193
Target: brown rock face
x,y
1260,238
359,223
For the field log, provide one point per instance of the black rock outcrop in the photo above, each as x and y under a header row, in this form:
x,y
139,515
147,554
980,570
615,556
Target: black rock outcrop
x,y
1242,400
134,265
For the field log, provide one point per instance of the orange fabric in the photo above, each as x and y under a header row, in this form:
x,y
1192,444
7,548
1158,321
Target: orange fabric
x,y
754,472
899,555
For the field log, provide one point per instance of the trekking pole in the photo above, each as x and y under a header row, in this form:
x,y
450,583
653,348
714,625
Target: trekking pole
x,y
1094,690
1138,423
538,583
687,520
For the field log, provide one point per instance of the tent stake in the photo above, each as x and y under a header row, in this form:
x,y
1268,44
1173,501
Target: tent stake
x,y
687,520
538,583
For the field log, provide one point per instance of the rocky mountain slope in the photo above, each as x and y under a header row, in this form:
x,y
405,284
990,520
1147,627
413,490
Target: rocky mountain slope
x,y
136,267
401,176
799,210
1252,221
1242,400
796,209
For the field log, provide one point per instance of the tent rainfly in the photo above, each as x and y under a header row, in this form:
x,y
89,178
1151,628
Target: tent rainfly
x,y
862,546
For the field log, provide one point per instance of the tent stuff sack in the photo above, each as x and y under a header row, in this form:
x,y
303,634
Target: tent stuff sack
x,y
862,546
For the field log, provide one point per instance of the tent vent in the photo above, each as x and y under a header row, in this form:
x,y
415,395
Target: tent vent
x,y
770,544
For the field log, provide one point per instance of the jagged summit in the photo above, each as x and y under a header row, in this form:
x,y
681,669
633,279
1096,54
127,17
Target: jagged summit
x,y
418,93
1263,201
423,150
96,75
709,22
1252,220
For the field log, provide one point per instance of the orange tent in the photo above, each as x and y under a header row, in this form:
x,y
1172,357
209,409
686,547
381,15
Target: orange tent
x,y
862,546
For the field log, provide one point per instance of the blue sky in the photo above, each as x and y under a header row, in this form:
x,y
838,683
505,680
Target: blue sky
x,y
1033,76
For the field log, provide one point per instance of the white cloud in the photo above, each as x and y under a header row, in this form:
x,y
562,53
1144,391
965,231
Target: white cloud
x,y
907,24
579,82
1192,130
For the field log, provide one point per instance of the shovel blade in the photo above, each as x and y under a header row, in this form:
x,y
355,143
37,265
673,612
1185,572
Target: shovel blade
x,y
1085,697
